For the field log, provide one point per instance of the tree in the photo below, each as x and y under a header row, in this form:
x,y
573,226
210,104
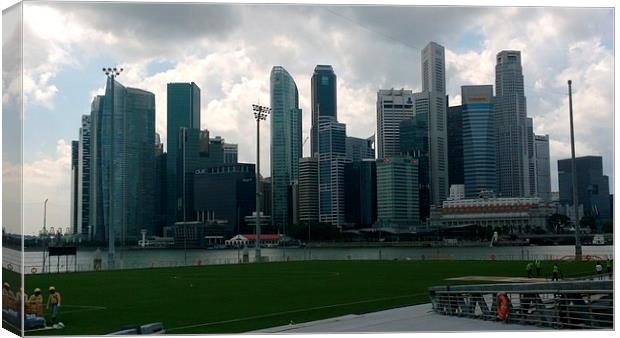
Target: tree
x,y
557,221
589,222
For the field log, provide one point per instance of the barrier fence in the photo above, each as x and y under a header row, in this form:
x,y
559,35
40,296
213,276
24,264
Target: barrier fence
x,y
583,304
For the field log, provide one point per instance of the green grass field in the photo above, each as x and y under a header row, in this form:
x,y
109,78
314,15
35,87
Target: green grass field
x,y
239,298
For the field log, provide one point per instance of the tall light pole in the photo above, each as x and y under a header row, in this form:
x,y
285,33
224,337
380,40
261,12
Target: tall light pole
x,y
260,113
44,231
574,174
111,74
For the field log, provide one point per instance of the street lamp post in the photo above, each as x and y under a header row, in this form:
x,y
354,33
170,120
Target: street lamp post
x,y
574,175
260,113
111,74
44,231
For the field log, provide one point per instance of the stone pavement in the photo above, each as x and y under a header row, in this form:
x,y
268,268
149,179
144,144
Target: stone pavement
x,y
417,318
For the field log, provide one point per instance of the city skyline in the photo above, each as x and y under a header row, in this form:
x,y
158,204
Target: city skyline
x,y
225,109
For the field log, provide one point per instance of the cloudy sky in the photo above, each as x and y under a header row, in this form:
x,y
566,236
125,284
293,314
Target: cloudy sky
x,y
229,50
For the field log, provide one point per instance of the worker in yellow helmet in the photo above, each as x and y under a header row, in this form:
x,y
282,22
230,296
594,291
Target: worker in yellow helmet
x,y
54,302
36,302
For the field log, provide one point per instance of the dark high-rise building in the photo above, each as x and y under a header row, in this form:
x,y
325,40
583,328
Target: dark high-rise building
x,y
360,193
479,149
75,173
285,145
123,160
511,126
592,185
308,190
455,145
332,159
324,101
84,177
360,148
225,193
414,143
543,167
160,186
183,111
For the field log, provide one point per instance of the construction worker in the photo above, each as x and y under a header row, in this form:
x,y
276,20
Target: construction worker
x,y
36,302
537,264
556,272
8,297
528,268
54,302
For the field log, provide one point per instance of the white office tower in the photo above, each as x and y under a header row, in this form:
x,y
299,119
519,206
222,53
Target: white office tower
x,y
393,106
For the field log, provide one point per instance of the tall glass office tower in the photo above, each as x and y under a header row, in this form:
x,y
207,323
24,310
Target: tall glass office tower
x,y
183,110
124,162
511,126
324,101
332,160
285,144
479,163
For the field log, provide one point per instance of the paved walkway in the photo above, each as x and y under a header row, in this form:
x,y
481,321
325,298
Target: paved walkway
x,y
417,318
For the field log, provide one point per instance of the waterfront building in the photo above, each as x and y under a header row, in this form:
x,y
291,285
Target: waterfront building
x,y
324,101
397,193
360,181
225,193
286,147
511,215
511,126
393,106
75,146
160,195
124,163
431,105
308,190
543,167
360,148
183,111
83,189
414,143
97,225
479,157
455,146
531,158
592,185
332,159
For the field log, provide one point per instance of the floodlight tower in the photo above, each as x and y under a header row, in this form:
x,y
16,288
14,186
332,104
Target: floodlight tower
x,y
260,113
111,73
574,174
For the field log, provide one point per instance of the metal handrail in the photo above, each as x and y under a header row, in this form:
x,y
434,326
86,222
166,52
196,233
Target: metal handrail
x,y
567,304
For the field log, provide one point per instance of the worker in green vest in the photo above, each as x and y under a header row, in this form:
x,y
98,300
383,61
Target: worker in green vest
x,y
528,268
537,263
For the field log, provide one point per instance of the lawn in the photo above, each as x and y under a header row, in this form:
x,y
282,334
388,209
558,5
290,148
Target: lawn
x,y
240,298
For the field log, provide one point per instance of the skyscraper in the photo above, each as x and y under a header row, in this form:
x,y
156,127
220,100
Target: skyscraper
x,y
84,177
285,144
511,126
479,163
531,158
75,173
432,103
393,106
231,152
332,159
592,185
543,167
397,193
308,189
455,145
97,202
183,111
160,195
123,161
361,193
360,148
414,143
324,101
